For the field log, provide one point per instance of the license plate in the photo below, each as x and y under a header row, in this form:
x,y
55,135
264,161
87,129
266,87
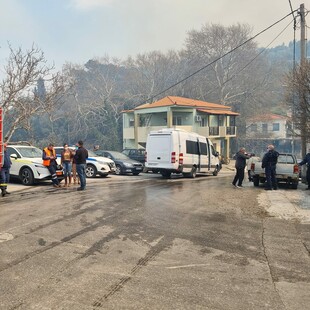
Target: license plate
x,y
58,172
138,168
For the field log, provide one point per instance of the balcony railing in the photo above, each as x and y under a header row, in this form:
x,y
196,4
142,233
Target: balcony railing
x,y
231,130
214,131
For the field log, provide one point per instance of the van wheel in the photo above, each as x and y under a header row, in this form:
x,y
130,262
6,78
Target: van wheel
x,y
166,174
193,173
216,171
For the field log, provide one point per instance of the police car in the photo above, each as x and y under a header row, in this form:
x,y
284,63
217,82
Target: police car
x,y
27,164
95,165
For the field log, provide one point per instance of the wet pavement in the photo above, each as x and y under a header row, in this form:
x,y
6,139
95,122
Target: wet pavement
x,y
149,243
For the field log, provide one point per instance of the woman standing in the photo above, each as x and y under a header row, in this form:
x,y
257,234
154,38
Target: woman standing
x,y
66,161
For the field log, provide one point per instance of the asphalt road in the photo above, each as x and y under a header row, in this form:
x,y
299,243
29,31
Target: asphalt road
x,y
148,243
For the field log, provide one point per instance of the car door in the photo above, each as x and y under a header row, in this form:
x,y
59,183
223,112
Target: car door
x,y
15,163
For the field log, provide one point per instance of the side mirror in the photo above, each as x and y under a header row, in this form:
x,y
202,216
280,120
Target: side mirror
x,y
14,156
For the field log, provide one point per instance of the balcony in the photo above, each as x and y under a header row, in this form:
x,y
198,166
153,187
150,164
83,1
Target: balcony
x,y
129,133
231,130
214,131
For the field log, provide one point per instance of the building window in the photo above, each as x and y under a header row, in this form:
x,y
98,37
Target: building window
x,y
265,128
131,122
204,122
177,121
275,127
253,127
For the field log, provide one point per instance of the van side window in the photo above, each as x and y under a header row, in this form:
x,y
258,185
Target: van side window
x,y
191,147
203,148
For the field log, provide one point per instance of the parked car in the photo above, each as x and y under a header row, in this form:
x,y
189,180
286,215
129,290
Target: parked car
x,y
124,164
287,171
95,164
135,154
27,165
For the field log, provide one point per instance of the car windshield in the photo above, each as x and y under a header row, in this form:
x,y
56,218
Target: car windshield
x,y
31,152
92,154
118,155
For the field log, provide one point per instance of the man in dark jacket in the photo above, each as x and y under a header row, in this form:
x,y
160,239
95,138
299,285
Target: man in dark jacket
x,y
80,157
5,172
240,164
269,163
306,160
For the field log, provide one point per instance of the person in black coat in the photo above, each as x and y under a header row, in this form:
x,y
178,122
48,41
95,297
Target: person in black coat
x,y
269,163
5,172
240,164
306,161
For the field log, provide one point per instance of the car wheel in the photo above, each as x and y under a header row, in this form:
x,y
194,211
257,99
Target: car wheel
x,y
118,170
135,173
216,171
166,174
26,176
294,185
104,175
90,171
255,181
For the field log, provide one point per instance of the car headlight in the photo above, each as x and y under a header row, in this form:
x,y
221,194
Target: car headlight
x,y
39,166
128,165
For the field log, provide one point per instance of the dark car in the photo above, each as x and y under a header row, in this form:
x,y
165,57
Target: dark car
x,y
135,154
124,164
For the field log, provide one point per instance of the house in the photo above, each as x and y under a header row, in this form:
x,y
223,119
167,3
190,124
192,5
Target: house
x,y
271,129
215,121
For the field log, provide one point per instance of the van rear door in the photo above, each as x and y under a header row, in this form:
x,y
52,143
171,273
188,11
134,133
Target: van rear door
x,y
159,149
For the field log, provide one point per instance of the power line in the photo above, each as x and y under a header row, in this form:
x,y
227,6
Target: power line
x,y
261,52
217,59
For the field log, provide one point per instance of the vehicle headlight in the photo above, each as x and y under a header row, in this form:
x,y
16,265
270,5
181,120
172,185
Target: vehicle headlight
x,y
39,166
128,164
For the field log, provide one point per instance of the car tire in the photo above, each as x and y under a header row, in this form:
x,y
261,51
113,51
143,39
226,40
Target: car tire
x,y
216,171
255,181
26,176
104,175
166,174
136,173
118,170
294,185
90,171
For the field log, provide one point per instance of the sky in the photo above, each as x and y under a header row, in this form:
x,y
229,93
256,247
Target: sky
x,y
74,31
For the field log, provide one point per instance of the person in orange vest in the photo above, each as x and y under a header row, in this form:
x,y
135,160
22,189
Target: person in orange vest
x,y
49,161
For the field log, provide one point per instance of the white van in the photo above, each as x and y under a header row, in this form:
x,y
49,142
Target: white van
x,y
178,151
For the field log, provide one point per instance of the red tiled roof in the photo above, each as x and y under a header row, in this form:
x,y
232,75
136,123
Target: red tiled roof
x,y
267,117
218,112
180,101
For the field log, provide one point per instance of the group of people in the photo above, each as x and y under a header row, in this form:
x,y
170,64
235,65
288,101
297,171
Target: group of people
x,y
269,163
72,161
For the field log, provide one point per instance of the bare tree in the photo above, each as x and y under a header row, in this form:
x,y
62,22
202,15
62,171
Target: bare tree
x,y
298,97
19,99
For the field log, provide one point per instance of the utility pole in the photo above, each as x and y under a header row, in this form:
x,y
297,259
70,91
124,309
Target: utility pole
x,y
303,60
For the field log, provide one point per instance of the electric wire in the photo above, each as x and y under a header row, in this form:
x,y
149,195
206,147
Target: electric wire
x,y
261,52
217,59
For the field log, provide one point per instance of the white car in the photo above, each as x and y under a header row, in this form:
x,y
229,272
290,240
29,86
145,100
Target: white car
x,y
27,164
95,165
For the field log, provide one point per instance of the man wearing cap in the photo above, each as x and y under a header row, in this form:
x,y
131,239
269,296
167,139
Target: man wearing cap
x,y
269,163
306,161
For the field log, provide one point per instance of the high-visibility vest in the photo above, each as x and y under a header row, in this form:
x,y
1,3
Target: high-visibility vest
x,y
48,153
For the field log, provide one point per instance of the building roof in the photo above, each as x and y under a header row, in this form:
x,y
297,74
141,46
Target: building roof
x,y
225,112
183,102
267,117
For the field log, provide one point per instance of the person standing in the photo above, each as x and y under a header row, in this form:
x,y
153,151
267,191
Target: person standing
x,y
5,172
306,161
240,164
66,161
49,161
269,163
80,157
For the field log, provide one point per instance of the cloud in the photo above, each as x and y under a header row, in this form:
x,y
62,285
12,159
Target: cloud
x,y
90,4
